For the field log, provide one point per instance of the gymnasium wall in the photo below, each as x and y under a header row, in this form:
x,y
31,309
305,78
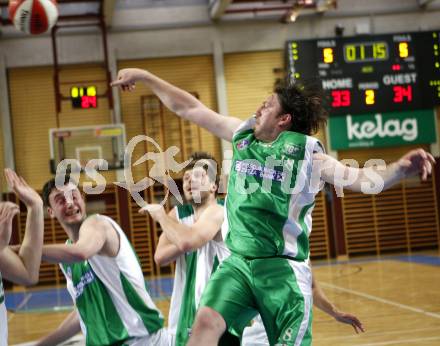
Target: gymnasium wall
x,y
403,218
193,74
250,79
32,103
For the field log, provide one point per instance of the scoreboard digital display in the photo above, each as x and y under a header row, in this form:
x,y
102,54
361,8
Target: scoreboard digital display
x,y
377,73
84,97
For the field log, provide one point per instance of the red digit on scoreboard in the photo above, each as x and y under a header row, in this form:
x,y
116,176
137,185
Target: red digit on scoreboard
x,y
401,93
85,102
346,98
341,98
336,98
92,101
88,102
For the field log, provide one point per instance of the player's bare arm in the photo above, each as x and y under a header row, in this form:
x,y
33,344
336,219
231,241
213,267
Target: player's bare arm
x,y
188,238
95,236
321,301
415,162
166,252
180,102
22,267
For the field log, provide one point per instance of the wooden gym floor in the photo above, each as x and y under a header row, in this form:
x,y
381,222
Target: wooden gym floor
x,y
396,297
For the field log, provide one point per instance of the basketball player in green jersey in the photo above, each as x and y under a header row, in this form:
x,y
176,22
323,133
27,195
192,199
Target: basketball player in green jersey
x,y
190,232
22,267
191,236
276,166
104,278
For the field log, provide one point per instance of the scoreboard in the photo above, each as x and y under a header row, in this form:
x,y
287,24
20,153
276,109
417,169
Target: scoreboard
x,y
375,73
83,97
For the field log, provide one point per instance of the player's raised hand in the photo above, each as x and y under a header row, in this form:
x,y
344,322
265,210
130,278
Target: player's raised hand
x,y
344,317
127,78
25,193
417,161
7,212
156,211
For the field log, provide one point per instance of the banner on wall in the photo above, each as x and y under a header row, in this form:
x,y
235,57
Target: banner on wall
x,y
382,129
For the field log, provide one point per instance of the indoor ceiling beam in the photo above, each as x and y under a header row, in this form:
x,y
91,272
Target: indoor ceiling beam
x,y
218,8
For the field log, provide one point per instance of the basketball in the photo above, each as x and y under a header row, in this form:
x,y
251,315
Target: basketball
x,y
33,16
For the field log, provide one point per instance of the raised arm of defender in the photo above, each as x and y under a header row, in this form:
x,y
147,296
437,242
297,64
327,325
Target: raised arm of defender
x,y
180,102
22,268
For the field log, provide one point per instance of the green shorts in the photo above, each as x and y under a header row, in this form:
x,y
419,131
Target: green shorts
x,y
279,289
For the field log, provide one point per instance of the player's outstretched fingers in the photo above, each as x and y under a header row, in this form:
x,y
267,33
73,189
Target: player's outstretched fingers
x,y
11,177
424,173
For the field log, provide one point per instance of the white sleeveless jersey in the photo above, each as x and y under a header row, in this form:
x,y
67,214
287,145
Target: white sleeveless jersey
x,y
192,273
3,317
111,297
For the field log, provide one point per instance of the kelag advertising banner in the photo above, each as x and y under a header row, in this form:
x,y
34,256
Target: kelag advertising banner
x,y
382,129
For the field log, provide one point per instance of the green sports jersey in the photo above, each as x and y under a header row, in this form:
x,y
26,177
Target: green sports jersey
x,y
110,296
270,196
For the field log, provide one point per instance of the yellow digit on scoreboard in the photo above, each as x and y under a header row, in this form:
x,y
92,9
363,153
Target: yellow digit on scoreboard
x,y
403,49
350,52
380,51
328,55
91,91
362,51
74,92
370,97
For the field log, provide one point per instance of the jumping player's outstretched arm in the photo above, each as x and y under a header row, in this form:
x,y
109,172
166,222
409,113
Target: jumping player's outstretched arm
x,y
414,162
68,328
188,238
321,302
92,239
22,268
180,102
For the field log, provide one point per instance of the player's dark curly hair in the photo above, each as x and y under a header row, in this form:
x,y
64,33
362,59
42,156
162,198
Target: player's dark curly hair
x,y
305,102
